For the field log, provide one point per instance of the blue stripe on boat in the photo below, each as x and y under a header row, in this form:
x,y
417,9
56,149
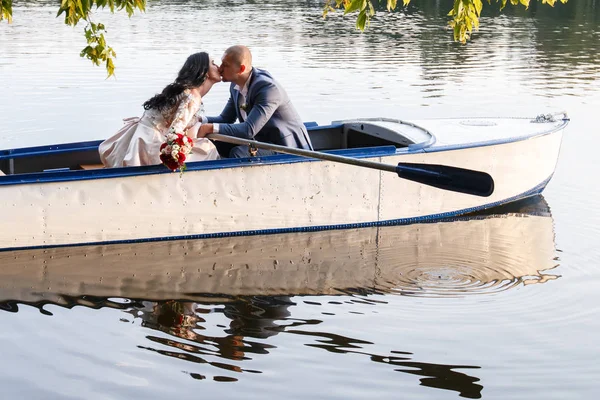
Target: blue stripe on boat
x,y
78,175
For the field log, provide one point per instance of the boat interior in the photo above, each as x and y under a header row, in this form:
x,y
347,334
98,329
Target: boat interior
x,y
338,137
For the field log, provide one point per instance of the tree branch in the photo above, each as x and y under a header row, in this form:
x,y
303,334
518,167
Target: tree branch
x,y
465,13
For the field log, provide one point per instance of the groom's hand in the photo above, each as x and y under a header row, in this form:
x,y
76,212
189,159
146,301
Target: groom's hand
x,y
204,130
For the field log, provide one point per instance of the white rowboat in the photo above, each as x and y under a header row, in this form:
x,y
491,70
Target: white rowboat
x,y
53,196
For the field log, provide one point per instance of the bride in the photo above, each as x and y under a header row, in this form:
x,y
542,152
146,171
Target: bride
x,y
177,109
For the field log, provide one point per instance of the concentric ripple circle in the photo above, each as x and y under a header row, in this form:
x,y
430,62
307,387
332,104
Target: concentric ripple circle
x,y
459,258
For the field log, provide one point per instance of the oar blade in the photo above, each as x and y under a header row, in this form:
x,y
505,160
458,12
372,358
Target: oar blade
x,y
445,177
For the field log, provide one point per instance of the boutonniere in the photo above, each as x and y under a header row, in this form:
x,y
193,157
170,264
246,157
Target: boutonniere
x,y
244,107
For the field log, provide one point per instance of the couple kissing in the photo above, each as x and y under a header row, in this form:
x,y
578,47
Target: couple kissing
x,y
258,109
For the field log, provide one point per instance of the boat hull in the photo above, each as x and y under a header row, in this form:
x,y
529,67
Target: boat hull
x,y
292,194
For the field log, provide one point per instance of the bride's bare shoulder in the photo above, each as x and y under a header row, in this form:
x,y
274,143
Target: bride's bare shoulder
x,y
195,94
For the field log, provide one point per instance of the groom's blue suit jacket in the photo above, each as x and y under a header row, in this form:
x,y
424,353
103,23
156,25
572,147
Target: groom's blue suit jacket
x,y
271,117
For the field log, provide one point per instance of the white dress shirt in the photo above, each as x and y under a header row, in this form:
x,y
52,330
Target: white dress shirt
x,y
243,92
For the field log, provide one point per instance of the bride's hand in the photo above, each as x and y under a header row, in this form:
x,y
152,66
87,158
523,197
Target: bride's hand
x,y
192,131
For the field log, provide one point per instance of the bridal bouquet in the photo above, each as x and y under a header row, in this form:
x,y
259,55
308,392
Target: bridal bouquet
x,y
175,150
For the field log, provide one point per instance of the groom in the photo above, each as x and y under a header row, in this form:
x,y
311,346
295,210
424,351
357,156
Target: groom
x,y
259,103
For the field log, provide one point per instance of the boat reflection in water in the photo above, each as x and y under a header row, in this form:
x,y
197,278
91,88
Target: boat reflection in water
x,y
252,280
476,254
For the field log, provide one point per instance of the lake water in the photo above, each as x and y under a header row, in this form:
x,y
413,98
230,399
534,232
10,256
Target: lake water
x,y
498,305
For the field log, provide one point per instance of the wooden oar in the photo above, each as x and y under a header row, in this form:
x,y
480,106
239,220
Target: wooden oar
x,y
444,177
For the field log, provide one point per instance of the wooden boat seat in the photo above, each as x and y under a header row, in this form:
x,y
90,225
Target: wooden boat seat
x,y
91,166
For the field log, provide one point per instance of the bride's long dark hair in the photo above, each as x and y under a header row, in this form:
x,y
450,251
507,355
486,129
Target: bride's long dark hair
x,y
192,74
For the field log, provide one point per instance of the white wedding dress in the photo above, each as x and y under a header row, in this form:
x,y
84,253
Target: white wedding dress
x,y
138,142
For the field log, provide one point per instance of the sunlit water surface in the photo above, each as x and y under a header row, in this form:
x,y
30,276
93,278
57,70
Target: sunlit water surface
x,y
498,305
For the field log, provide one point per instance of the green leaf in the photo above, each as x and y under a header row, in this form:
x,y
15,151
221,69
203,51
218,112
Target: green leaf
x,y
110,67
79,5
85,51
6,10
361,21
355,5
457,7
478,6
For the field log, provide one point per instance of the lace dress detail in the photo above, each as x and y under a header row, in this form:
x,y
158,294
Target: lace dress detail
x,y
179,117
138,142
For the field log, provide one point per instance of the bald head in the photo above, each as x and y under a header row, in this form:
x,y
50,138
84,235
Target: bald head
x,y
236,65
240,55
